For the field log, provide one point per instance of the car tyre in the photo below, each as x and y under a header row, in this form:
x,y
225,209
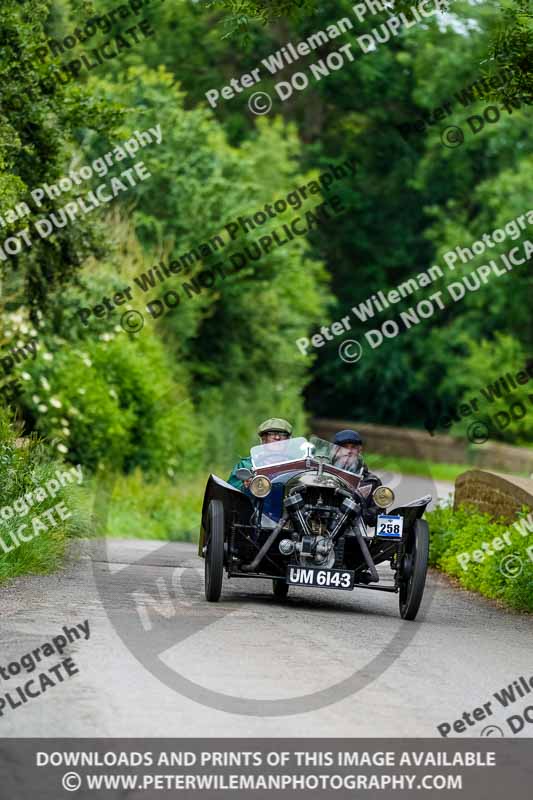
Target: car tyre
x,y
413,570
280,588
214,554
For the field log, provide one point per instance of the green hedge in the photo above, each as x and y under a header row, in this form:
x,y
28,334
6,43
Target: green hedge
x,y
22,470
119,401
465,531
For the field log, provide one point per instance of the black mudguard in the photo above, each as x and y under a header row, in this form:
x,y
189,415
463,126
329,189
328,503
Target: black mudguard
x,y
412,511
234,501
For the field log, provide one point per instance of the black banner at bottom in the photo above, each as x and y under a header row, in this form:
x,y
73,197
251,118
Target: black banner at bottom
x,y
53,769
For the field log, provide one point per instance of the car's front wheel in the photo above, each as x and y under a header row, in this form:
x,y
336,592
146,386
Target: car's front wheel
x,y
413,570
214,553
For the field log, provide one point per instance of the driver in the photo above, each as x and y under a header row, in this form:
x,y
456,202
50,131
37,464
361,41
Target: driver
x,y
271,430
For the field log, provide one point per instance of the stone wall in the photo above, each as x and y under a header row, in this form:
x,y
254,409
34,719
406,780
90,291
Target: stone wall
x,y
493,493
411,443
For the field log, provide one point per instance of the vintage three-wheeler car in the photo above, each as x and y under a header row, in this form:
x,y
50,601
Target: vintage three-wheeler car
x,y
308,516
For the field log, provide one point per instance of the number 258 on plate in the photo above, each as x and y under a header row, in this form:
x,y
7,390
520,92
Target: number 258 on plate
x,y
390,526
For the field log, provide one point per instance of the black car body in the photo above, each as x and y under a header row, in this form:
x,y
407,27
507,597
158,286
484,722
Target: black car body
x,y
303,520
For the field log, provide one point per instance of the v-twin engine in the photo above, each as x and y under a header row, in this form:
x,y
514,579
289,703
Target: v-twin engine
x,y
316,529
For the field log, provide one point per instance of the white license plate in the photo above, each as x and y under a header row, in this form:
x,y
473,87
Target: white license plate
x,y
322,578
389,526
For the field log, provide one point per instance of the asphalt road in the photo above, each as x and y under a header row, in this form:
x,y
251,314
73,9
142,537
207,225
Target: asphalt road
x,y
409,676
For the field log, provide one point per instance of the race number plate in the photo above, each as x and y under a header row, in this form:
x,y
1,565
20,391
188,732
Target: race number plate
x,y
389,526
323,578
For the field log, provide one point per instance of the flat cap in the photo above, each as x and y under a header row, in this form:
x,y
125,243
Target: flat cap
x,y
275,424
344,437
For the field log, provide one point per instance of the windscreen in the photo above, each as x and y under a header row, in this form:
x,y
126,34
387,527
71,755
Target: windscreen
x,y
265,455
285,450
337,456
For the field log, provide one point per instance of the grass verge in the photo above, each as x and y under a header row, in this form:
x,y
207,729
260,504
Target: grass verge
x,y
412,466
162,509
33,534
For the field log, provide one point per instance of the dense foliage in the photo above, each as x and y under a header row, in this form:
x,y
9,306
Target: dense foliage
x,y
506,575
41,132
414,199
187,390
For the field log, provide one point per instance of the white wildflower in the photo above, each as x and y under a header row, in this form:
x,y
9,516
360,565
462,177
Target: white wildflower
x,y
62,448
55,402
45,384
42,408
48,356
25,376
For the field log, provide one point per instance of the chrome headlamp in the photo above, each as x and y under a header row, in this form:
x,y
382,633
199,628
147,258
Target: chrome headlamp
x,y
383,496
260,486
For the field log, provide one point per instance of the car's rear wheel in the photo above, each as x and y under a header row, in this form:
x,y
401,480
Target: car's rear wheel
x,y
214,553
413,570
280,588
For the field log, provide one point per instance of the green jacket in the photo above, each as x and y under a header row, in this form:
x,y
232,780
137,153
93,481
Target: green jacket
x,y
243,463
